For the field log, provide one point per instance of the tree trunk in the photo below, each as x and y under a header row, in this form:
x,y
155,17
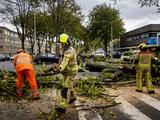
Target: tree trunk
x,y
39,45
22,43
46,46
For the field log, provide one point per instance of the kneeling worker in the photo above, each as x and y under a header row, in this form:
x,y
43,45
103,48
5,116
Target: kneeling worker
x,y
24,68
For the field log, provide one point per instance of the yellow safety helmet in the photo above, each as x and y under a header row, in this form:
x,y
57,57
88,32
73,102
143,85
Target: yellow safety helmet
x,y
63,38
142,45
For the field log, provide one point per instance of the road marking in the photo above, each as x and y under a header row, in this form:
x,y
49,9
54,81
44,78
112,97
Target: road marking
x,y
127,108
149,100
82,114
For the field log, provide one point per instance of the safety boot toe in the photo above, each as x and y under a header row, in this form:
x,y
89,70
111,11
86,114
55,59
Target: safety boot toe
x,y
138,90
60,109
151,92
72,100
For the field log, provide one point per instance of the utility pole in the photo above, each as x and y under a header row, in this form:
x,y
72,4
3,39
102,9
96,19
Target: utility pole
x,y
35,41
111,42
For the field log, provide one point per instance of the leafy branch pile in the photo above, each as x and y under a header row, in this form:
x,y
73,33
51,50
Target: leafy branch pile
x,y
89,86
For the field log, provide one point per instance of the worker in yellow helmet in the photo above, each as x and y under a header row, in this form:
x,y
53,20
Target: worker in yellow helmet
x,y
69,69
144,68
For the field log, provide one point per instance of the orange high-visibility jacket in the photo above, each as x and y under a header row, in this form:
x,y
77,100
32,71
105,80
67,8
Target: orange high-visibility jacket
x,y
23,61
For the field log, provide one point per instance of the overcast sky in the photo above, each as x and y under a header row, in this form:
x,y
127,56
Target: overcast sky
x,y
133,15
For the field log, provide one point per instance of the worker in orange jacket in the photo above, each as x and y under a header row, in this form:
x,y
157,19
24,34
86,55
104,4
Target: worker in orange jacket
x,y
24,68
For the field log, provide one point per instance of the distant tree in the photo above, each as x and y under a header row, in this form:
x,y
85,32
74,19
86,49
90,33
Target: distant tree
x,y
63,13
50,21
105,24
149,3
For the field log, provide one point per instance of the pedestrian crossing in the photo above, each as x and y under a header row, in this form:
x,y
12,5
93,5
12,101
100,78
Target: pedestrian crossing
x,y
130,110
139,106
148,100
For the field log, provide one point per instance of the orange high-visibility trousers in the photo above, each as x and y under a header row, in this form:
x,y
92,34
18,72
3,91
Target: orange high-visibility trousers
x,y
30,77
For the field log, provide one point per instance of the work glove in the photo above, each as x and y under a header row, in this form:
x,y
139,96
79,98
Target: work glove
x,y
55,68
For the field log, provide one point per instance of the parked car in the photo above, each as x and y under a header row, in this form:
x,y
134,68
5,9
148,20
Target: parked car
x,y
7,57
12,57
128,55
99,54
114,54
46,57
2,57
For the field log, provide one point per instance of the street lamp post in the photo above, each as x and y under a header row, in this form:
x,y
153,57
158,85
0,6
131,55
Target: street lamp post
x,y
35,44
111,43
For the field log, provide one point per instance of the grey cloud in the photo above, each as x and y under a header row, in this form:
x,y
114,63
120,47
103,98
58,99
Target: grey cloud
x,y
130,9
133,15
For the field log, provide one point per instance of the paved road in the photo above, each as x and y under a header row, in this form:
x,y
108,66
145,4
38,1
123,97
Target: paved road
x,y
7,66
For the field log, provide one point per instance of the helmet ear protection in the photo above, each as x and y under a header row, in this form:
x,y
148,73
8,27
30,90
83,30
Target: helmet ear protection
x,y
142,46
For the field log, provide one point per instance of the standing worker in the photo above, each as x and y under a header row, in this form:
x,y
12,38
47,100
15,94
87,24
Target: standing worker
x,y
69,68
144,68
24,68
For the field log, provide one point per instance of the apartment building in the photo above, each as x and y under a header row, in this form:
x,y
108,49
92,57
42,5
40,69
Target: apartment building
x,y
10,42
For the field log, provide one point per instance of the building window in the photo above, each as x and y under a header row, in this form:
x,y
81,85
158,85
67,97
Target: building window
x,y
144,35
0,30
152,34
129,39
137,37
12,34
5,32
134,37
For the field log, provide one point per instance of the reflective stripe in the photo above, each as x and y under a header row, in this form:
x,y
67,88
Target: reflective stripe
x,y
35,91
73,63
19,90
25,59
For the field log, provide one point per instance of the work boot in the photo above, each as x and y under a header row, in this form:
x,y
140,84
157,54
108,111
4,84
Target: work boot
x,y
72,100
36,96
138,90
59,109
151,92
19,94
